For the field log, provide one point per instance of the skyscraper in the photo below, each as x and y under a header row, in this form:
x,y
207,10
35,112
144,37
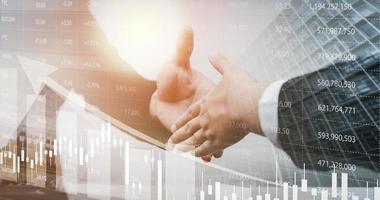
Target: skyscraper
x,y
310,34
340,39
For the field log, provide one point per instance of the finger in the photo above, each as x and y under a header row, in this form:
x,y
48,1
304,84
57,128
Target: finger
x,y
185,131
220,63
192,142
167,85
204,149
169,146
185,45
207,158
218,154
189,114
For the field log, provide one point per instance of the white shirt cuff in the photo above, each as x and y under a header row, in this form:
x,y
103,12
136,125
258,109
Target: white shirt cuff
x,y
268,111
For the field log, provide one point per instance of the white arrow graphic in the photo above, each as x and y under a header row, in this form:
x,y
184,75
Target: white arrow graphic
x,y
38,75
36,72
12,115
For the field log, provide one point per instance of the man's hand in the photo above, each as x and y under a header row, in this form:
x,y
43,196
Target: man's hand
x,y
224,117
179,86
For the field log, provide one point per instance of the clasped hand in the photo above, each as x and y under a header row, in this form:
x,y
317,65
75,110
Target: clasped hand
x,y
223,117
205,117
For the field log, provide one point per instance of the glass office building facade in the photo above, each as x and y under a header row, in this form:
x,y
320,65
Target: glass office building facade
x,y
308,35
340,40
338,37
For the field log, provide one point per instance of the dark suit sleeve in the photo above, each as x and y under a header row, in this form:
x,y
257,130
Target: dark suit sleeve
x,y
330,118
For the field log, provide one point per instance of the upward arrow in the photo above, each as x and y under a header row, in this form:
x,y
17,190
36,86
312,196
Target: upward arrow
x,y
36,72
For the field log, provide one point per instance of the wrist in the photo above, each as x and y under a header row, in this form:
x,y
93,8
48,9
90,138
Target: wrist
x,y
253,118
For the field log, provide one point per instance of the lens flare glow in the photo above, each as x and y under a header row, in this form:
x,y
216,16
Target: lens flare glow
x,y
144,32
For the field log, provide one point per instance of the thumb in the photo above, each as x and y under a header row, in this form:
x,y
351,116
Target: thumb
x,y
185,45
220,63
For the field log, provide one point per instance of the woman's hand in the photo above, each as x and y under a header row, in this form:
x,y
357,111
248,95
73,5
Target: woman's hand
x,y
179,86
223,117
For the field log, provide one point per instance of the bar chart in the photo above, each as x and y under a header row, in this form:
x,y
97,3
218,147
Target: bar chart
x,y
66,151
329,48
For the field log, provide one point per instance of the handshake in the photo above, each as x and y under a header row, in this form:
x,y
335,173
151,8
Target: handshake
x,y
203,117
